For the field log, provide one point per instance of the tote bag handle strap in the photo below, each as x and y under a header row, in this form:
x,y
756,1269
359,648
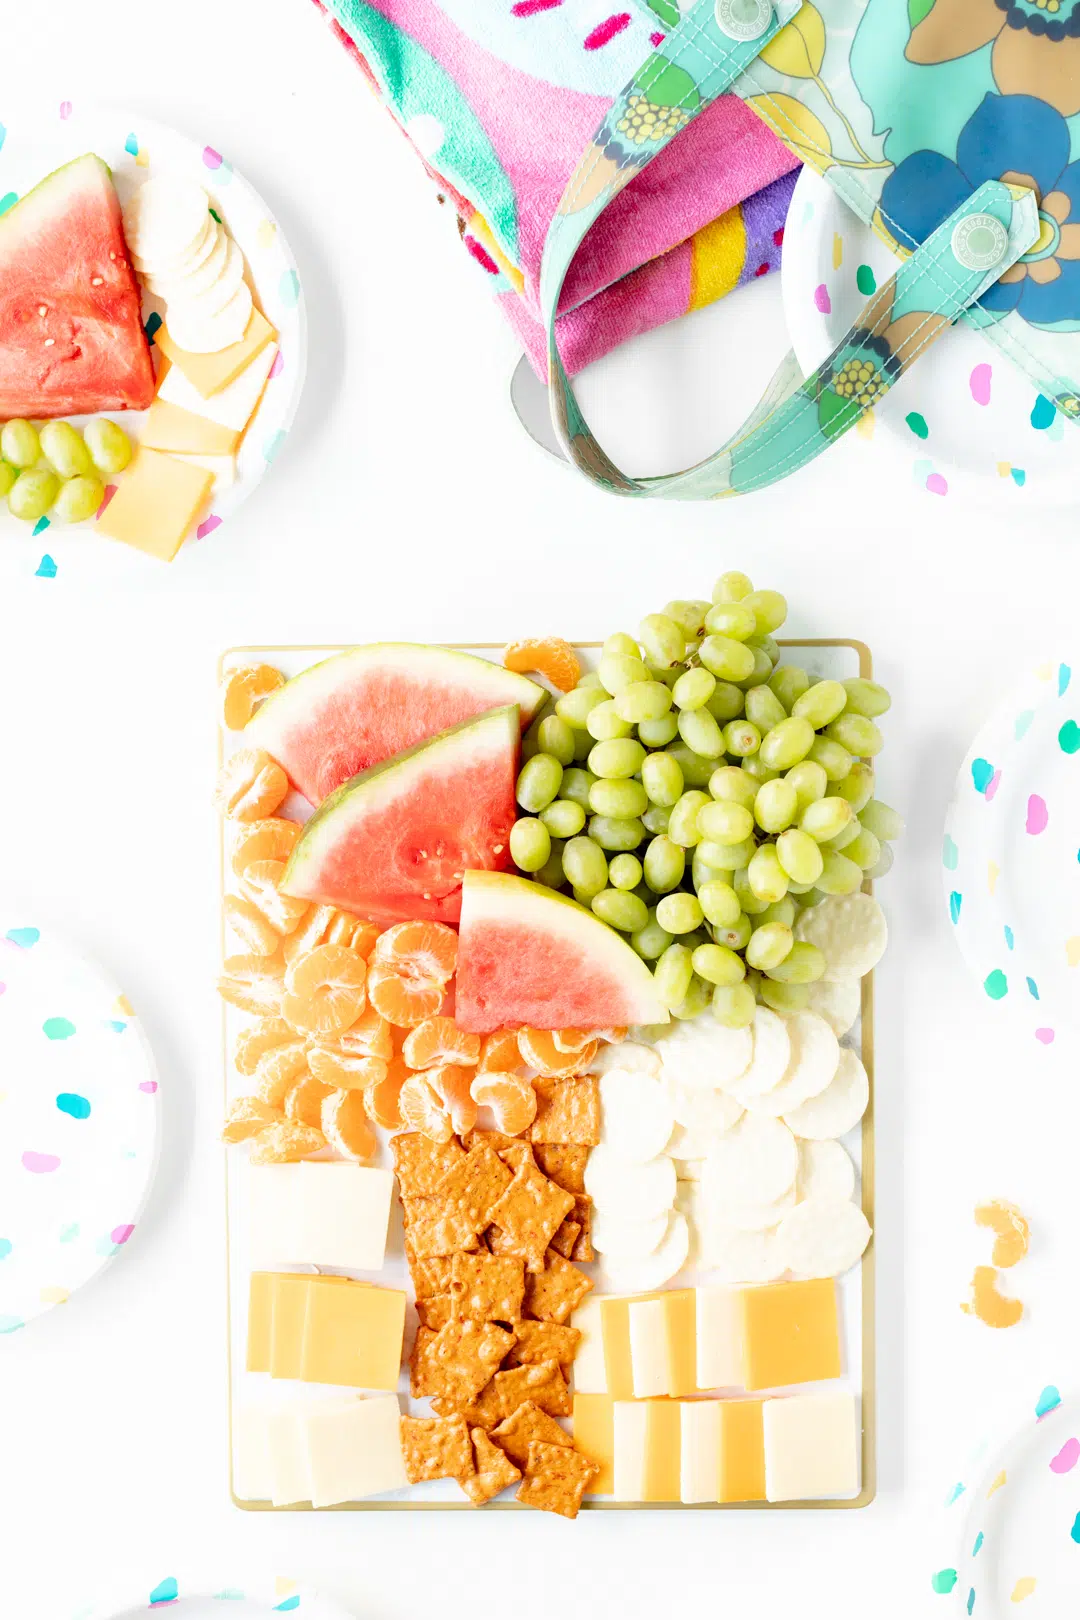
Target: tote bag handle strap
x,y
797,417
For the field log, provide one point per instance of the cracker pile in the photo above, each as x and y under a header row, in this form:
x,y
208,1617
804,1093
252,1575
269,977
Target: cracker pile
x,y
493,1226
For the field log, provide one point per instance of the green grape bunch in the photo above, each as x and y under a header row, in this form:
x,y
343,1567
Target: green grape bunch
x,y
696,794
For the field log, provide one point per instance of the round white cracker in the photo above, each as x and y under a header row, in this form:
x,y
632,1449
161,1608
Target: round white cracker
x,y
653,1270
822,1237
711,1112
772,1054
632,1192
839,1107
815,1052
825,1170
688,1204
851,931
165,219
740,1257
702,1055
688,1170
692,1142
627,1240
636,1115
753,1163
750,1217
209,334
626,1055
201,267
216,293
838,1001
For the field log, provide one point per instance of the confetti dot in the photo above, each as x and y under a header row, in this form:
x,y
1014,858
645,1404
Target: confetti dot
x,y
273,444
1072,950
1022,723
996,1483
956,1492
10,1324
1009,938
937,485
46,568
23,937
1069,737
120,1234
278,366
58,1029
950,855
1033,989
265,233
1043,413
166,1591
996,985
1048,1401
69,1102
212,159
1037,815
65,109
289,289
5,1248
1064,677
956,900
1066,1459
917,423
979,383
207,526
993,872
837,251
68,1234
982,774
865,280
971,1600
1018,476
40,1164
1046,1036
822,301
1075,1531
1023,1589
977,1548
53,1295
289,1603
149,1086
8,200
153,324
39,527
131,146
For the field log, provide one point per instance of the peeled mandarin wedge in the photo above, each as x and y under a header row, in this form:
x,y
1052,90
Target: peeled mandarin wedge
x,y
439,1040
246,1118
343,1071
423,1110
369,1036
571,1040
511,1099
261,883
304,1100
500,1052
310,931
250,926
258,1038
427,950
277,1071
996,1309
404,1001
286,1142
539,1051
243,689
382,1098
250,785
325,990
271,839
359,935
347,1127
252,983
1010,1228
452,1085
549,656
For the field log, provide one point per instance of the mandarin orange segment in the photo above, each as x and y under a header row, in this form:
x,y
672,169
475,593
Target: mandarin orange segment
x,y
422,1109
344,1071
500,1052
252,983
286,1142
277,1071
251,927
370,1036
439,1040
549,656
325,990
571,1040
537,1047
510,1097
271,839
246,1118
250,785
346,1126
258,1038
452,1085
614,1034
425,950
382,1098
261,883
304,1100
243,689
402,1001
310,931
346,929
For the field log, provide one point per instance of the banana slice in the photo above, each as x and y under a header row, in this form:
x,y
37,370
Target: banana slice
x,y
165,221
711,1111
202,334
627,1055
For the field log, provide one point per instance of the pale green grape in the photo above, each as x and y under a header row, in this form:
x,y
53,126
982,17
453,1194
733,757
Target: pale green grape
x,y
582,744
789,682
621,645
624,872
735,934
857,787
621,669
763,667
616,832
703,872
764,709
768,945
813,897
718,965
726,857
694,688
731,783
783,998
8,475
556,738
839,875
803,964
781,911
551,874
766,876
575,785
768,645
844,836
530,844
674,973
821,703
882,820
751,902
621,910
864,849
662,639
656,818
20,444
769,609
65,450
884,865
538,782
604,723
665,864
651,941
575,707
834,759
621,797
809,781
800,856
741,738
695,767
563,818
731,587
32,493
590,681
666,677
700,731
586,867
727,658
616,758
733,1005
733,619
776,805
530,742
723,822
679,913
695,1001
658,733
787,743
756,768
866,698
662,779
690,614
108,444
719,902
825,818
643,700
727,702
79,498
857,734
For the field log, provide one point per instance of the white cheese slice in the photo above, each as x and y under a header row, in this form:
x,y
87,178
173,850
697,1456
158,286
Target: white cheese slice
x,y
354,1451
222,467
629,1423
233,405
344,1211
699,1451
251,1477
719,1338
590,1370
649,1348
290,1478
811,1447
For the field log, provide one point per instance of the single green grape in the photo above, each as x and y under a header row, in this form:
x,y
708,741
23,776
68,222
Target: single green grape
x,y
662,640
756,768
702,872
720,903
735,934
679,913
766,876
530,844
733,619
812,897
750,901
664,865
696,1000
723,822
764,709
589,680
783,998
621,797
741,738
108,444
658,733
769,609
551,874
624,872
787,743
700,732
857,734
651,941
616,758
782,911
530,742
825,818
799,855
585,865
65,450
726,857
864,849
731,587
621,910
809,781
563,818
621,669
616,832
696,768
845,836
620,644
605,724
866,698
667,677
576,785
763,667
655,819
883,866
857,787
839,875
768,945
694,688
556,738
690,614
732,784
32,493
789,682
79,498
727,702
643,700
833,758
674,973
538,782
8,475
716,964
582,746
576,706
882,820
726,658
821,703
733,1005
776,805
20,445
803,964
662,779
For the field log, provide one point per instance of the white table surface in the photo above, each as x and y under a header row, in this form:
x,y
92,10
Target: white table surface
x,y
409,503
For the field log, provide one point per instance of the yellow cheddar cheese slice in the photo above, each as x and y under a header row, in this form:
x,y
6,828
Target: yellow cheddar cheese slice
x,y
171,427
260,1308
211,372
594,1437
742,1452
791,1333
353,1335
157,501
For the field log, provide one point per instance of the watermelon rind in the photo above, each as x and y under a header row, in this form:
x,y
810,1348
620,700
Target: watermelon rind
x,y
325,724
548,937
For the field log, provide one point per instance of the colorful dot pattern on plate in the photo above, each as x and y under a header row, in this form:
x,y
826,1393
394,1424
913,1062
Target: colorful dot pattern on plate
x,y
79,1120
1011,853
278,1594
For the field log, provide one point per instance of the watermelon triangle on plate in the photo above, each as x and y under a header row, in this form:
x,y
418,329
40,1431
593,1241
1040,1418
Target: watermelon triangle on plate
x,y
527,955
363,706
71,334
396,840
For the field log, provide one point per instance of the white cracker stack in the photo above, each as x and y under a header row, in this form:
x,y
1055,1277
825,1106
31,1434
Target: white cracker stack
x,y
188,260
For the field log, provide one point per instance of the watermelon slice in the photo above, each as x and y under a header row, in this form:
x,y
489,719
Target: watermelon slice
x,y
394,842
527,955
351,712
71,335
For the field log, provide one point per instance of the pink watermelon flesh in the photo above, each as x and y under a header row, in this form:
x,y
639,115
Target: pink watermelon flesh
x,y
349,713
395,841
527,955
71,334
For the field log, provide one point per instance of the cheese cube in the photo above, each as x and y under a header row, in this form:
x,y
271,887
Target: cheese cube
x,y
791,1333
742,1452
288,1312
662,1336
169,427
209,373
680,1308
353,1335
699,1469
290,1479
590,1374
354,1450
594,1436
811,1448
233,405
260,1315
326,1213
251,1477
629,1420
156,502
663,1446
719,1338
618,1361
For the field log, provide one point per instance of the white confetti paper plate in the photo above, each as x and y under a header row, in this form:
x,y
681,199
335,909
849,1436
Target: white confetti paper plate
x,y
1011,853
963,421
253,1600
79,1120
38,136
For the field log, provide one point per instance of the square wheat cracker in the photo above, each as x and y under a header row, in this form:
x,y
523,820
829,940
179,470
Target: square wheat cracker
x,y
568,1112
435,1312
563,1163
487,1287
474,1186
530,1212
565,1238
556,1479
421,1164
494,1471
436,1448
460,1359
553,1294
543,1341
430,1276
486,1411
540,1382
517,1433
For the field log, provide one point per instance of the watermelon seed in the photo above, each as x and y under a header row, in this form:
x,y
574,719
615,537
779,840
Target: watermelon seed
x,y
49,342
497,849
43,309
97,281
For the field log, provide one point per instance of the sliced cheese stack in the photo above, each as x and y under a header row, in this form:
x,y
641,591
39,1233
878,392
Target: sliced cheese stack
x,y
317,1213
325,1453
325,1330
